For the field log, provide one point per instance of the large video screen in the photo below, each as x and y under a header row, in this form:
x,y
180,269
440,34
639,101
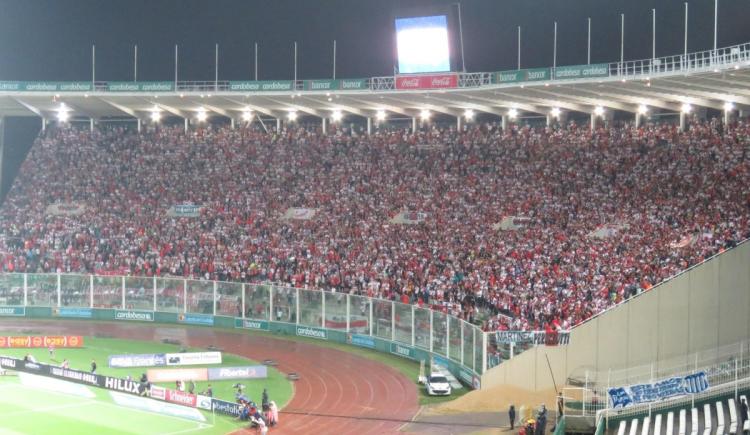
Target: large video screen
x,y
422,44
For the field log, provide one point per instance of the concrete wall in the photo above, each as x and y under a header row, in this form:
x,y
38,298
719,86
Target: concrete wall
x,y
699,310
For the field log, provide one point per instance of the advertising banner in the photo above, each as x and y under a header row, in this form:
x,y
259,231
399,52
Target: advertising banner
x,y
226,408
184,210
76,376
533,337
353,84
309,331
148,405
404,351
203,402
664,389
181,398
140,316
261,325
431,81
261,85
123,385
321,85
171,375
247,372
80,313
523,75
582,71
138,360
12,311
33,341
140,86
196,319
361,340
45,86
158,392
193,358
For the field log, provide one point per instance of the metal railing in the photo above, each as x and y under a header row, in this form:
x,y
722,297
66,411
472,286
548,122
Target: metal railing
x,y
423,328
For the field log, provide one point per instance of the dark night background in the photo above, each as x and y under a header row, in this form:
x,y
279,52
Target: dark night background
x,y
51,39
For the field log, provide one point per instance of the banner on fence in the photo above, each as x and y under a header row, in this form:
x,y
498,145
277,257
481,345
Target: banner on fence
x,y
226,408
171,375
138,360
251,324
622,397
46,86
196,319
193,358
309,331
404,351
140,316
582,71
522,75
32,341
181,398
246,372
140,86
430,81
261,85
80,313
533,337
12,311
361,340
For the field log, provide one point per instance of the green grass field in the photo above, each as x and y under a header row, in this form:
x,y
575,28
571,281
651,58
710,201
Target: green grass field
x,y
100,415
279,388
26,410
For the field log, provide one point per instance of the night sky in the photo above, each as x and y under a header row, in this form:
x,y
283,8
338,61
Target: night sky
x,y
51,39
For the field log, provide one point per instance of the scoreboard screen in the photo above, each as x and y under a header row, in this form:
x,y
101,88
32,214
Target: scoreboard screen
x,y
422,44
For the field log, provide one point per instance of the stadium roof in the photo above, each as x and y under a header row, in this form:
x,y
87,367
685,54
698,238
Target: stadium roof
x,y
707,79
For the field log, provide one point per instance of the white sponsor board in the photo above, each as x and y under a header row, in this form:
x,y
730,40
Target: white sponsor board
x,y
56,385
203,402
193,358
300,213
157,407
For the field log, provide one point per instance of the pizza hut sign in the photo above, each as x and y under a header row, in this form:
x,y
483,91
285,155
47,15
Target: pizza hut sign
x,y
431,81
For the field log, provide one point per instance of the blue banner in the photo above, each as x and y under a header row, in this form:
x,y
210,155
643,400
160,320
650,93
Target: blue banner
x,y
664,389
196,319
138,360
247,372
12,311
81,313
361,340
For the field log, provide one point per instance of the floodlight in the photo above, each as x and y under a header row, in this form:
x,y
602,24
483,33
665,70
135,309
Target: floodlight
x,y
642,109
155,116
513,113
63,115
381,115
292,116
202,115
247,115
337,115
469,114
686,108
598,110
728,106
425,114
555,112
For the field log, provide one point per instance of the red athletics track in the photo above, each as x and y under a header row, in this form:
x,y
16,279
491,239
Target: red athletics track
x,y
337,392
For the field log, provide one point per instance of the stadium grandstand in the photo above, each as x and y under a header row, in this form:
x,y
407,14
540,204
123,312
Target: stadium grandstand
x,y
573,235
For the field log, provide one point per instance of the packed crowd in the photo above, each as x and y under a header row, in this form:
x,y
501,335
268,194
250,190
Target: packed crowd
x,y
542,227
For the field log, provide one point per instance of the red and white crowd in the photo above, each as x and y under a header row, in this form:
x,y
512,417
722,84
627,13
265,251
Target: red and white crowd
x,y
588,218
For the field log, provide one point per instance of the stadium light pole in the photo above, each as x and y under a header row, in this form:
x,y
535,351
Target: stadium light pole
x,y
685,52
716,21
93,66
216,68
135,63
653,33
622,39
461,37
519,47
334,59
295,64
175,66
588,46
554,49
256,61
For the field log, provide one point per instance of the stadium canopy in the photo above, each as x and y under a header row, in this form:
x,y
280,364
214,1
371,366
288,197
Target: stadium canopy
x,y
717,79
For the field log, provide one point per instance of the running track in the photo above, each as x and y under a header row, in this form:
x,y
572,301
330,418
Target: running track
x,y
337,392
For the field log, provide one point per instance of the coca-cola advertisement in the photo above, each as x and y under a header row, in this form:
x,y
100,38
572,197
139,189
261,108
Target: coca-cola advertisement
x,y
431,81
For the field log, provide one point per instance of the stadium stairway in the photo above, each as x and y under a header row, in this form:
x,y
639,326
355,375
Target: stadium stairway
x,y
720,417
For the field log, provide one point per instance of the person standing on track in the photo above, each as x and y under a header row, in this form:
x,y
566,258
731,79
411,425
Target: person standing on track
x,y
512,416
